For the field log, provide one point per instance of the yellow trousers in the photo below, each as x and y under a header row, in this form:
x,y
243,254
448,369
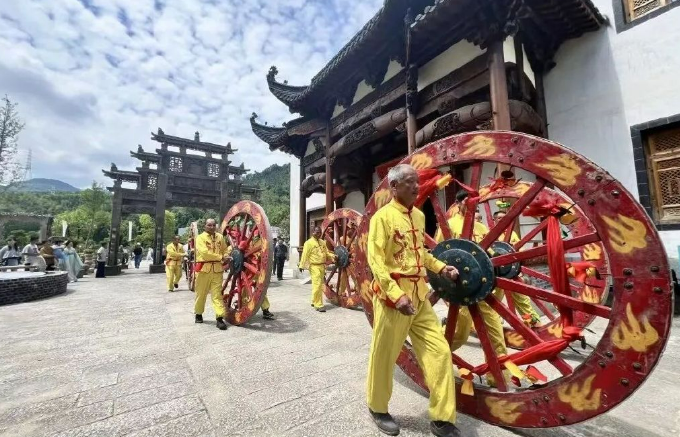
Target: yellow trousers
x,y
390,329
317,273
173,274
265,303
522,303
494,326
209,283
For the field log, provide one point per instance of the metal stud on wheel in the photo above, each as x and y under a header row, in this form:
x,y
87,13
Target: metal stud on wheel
x,y
246,229
636,326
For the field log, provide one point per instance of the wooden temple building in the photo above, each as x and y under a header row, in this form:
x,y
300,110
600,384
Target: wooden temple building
x,y
421,70
182,172
456,66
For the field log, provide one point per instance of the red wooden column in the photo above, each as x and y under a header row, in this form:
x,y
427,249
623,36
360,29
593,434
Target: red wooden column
x,y
498,84
302,220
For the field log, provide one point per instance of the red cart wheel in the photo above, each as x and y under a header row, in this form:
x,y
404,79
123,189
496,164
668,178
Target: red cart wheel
x,y
247,231
589,272
637,325
189,273
339,230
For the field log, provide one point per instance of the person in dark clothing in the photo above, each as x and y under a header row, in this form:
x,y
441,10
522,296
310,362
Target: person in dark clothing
x,y
137,252
274,263
280,257
102,256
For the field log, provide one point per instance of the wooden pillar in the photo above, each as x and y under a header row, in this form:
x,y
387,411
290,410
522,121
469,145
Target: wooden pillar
x,y
329,172
302,219
116,215
540,102
224,187
161,188
498,84
411,87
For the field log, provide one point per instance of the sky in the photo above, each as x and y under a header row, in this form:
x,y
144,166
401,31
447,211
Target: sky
x,y
93,78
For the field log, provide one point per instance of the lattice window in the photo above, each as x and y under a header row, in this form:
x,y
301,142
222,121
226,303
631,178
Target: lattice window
x,y
176,164
152,182
664,168
213,170
637,8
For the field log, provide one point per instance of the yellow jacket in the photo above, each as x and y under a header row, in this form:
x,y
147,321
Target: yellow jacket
x,y
315,252
174,255
210,250
456,224
396,247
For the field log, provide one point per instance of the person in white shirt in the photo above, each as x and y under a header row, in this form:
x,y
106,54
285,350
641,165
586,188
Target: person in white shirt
x,y
32,256
102,255
10,254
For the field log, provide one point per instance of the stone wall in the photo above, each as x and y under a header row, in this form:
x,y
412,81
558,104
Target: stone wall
x,y
19,287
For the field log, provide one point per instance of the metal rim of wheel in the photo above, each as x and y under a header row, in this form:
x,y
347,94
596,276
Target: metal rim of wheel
x,y
247,231
640,316
339,230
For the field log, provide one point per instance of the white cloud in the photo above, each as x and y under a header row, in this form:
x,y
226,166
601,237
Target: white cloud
x,y
94,77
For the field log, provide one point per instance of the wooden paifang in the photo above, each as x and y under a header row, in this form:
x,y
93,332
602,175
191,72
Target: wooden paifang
x,y
189,272
246,229
637,325
341,285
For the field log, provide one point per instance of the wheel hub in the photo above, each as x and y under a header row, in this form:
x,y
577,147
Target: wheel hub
x,y
342,256
509,271
476,275
237,261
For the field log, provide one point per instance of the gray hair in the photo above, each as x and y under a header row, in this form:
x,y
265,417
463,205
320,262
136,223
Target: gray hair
x,y
398,172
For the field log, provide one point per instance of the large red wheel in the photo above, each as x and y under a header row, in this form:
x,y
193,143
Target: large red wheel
x,y
189,273
247,231
637,325
589,271
339,230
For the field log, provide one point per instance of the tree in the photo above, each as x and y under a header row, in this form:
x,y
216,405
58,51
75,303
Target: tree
x,y
91,220
147,228
10,127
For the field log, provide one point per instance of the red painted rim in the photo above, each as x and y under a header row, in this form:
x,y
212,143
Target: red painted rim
x,y
340,228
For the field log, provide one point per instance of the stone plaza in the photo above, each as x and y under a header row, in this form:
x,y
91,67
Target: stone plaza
x,y
123,357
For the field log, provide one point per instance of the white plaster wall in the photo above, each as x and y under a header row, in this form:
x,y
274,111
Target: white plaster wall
x,y
606,82
355,200
393,68
363,89
452,58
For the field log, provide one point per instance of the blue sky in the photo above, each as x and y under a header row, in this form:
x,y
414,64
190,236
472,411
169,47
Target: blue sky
x,y
93,78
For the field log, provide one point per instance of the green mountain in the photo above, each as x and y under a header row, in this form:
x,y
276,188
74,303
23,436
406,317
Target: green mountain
x,y
275,197
40,185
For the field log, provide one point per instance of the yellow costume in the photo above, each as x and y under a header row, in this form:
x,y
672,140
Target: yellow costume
x,y
210,251
314,257
494,323
173,264
521,301
397,257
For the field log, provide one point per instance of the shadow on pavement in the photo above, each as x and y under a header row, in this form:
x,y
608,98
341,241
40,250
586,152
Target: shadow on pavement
x,y
285,322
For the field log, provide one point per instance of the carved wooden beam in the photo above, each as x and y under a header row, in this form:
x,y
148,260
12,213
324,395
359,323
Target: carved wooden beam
x,y
367,132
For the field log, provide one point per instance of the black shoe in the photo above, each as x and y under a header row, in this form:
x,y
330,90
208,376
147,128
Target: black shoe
x,y
321,309
176,285
220,324
444,429
170,291
267,315
199,318
385,423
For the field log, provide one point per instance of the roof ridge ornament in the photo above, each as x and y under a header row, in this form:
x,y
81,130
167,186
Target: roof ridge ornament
x,y
271,75
197,137
160,132
140,149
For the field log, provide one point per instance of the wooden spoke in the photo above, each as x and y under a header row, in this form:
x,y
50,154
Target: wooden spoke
x,y
335,268
544,309
344,230
471,205
330,242
535,252
510,301
451,321
441,217
354,236
429,241
489,216
252,250
339,281
251,267
531,234
530,336
226,282
514,212
489,352
555,298
543,277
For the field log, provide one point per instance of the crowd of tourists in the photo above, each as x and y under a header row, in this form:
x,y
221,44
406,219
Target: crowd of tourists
x,y
53,254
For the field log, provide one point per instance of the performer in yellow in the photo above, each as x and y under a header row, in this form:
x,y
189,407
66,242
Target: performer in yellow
x,y
398,260
314,257
464,324
174,253
522,302
211,252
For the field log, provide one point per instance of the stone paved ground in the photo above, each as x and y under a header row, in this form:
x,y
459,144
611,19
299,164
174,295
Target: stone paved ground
x,y
121,356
